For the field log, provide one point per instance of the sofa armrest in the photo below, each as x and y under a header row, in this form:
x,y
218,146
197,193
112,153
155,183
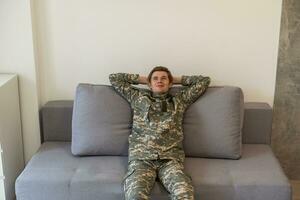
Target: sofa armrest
x,y
257,125
56,121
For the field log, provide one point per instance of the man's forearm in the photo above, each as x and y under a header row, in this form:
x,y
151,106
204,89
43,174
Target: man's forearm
x,y
143,79
177,79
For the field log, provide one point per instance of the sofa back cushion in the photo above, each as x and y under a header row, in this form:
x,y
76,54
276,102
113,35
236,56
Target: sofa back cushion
x,y
102,119
213,124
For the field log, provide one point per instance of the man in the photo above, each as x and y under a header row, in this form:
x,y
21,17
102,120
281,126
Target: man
x,y
155,143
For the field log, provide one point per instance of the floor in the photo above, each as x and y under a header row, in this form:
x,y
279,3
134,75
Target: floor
x,y
296,189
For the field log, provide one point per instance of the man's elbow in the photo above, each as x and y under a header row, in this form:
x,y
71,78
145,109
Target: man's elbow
x,y
112,78
207,81
204,80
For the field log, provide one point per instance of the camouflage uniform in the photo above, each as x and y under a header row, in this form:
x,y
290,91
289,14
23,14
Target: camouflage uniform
x,y
155,142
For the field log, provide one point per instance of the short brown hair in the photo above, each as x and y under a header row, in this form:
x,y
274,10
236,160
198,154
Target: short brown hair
x,y
160,68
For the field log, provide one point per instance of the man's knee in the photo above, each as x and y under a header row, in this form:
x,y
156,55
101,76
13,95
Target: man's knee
x,y
177,182
137,188
136,194
138,184
182,190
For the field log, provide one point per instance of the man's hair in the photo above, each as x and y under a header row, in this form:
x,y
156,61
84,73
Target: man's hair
x,y
160,68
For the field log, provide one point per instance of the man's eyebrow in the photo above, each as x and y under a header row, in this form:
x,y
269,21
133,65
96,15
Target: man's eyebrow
x,y
164,76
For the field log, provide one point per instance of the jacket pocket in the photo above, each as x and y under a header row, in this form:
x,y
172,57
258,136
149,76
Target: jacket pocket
x,y
142,113
128,174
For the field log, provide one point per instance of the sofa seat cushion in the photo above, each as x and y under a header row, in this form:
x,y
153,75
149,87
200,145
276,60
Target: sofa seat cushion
x,y
54,173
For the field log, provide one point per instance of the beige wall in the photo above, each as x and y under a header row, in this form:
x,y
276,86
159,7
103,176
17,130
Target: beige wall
x,y
17,56
234,42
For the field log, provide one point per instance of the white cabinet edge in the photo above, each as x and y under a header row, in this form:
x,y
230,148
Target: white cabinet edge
x,y
4,78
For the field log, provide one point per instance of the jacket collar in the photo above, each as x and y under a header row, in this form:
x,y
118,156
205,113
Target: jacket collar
x,y
160,95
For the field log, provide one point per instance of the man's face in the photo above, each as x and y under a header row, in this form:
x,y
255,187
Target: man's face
x,y
160,82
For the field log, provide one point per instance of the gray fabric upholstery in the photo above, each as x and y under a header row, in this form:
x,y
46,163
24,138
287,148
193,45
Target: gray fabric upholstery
x,y
54,173
212,125
257,115
56,122
102,119
56,119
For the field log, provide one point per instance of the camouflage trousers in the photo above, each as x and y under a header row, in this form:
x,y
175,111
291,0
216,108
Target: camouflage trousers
x,y
141,176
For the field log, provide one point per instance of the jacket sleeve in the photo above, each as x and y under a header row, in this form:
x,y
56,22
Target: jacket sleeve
x,y
196,86
122,83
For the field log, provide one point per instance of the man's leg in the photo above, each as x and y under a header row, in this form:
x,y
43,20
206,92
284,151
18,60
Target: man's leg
x,y
139,180
178,184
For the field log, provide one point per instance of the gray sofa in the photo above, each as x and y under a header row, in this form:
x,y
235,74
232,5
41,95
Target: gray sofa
x,y
83,155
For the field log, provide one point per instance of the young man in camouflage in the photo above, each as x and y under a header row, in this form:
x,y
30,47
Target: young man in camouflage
x,y
155,143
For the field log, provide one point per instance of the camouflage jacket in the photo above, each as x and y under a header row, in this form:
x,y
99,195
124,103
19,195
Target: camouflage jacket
x,y
157,118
